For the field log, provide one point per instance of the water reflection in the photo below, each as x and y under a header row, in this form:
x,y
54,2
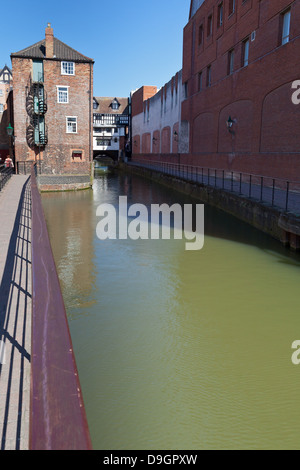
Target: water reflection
x,y
176,349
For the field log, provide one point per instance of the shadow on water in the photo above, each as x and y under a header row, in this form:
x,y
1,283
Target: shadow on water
x,y
218,224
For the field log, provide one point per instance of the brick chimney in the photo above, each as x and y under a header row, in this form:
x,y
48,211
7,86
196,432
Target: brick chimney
x,y
49,41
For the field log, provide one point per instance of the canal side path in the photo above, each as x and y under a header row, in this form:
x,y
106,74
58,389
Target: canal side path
x,y
15,312
265,195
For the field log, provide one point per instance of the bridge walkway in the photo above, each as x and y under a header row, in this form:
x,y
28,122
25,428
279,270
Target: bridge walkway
x,y
15,312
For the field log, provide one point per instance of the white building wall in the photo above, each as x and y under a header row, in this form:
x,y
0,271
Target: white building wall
x,y
161,115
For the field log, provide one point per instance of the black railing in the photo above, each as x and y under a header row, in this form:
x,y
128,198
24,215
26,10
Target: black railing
x,y
275,192
57,414
5,174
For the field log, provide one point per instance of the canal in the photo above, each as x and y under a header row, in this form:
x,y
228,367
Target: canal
x,y
178,349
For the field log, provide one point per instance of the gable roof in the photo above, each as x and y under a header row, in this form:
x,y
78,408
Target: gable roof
x,y
6,69
61,51
104,105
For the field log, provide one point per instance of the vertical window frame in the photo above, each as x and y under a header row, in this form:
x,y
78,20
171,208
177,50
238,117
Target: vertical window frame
x,y
231,8
60,94
209,25
285,26
200,81
245,52
68,63
200,34
208,76
230,69
220,20
76,125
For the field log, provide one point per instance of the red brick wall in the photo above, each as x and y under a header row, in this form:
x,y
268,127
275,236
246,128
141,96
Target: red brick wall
x,y
57,154
166,140
146,143
138,98
266,138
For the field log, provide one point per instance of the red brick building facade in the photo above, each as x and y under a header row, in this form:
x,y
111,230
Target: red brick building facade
x,y
241,76
240,60
53,102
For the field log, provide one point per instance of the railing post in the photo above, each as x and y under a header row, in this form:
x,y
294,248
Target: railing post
x,y
223,178
273,192
232,181
250,185
287,196
261,188
241,175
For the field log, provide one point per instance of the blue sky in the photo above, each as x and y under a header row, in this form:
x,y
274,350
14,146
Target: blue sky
x,y
133,43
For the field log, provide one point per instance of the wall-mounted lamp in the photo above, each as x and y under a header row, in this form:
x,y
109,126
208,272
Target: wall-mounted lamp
x,y
10,130
175,136
135,143
154,140
229,124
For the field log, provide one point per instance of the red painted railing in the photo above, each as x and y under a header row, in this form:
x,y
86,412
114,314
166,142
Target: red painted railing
x,y
57,414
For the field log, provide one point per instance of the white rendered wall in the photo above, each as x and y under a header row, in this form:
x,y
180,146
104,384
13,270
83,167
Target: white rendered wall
x,y
163,115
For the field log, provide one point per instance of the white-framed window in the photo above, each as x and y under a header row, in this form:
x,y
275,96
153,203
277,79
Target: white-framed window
x,y
62,94
1,92
68,68
71,122
1,108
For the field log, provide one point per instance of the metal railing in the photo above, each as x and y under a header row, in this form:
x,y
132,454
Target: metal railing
x,y
57,414
275,192
5,174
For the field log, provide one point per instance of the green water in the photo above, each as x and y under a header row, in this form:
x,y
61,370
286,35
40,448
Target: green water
x,y
178,349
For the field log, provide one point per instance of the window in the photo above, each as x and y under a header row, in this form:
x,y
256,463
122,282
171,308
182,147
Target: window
x,y
286,23
62,94
231,7
185,90
230,62
1,92
208,76
95,105
245,56
209,25
200,81
115,105
1,108
104,142
68,68
71,125
77,155
220,14
200,38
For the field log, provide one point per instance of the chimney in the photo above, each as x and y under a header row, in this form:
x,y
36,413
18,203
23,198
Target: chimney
x,y
49,41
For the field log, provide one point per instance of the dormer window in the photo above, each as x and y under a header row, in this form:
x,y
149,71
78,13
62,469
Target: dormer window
x,y
115,104
95,104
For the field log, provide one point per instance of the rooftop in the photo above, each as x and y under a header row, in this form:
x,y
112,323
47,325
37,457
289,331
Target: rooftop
x,y
61,51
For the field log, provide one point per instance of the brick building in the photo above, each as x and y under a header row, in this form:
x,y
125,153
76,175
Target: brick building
x,y
53,101
6,82
241,76
111,130
240,61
